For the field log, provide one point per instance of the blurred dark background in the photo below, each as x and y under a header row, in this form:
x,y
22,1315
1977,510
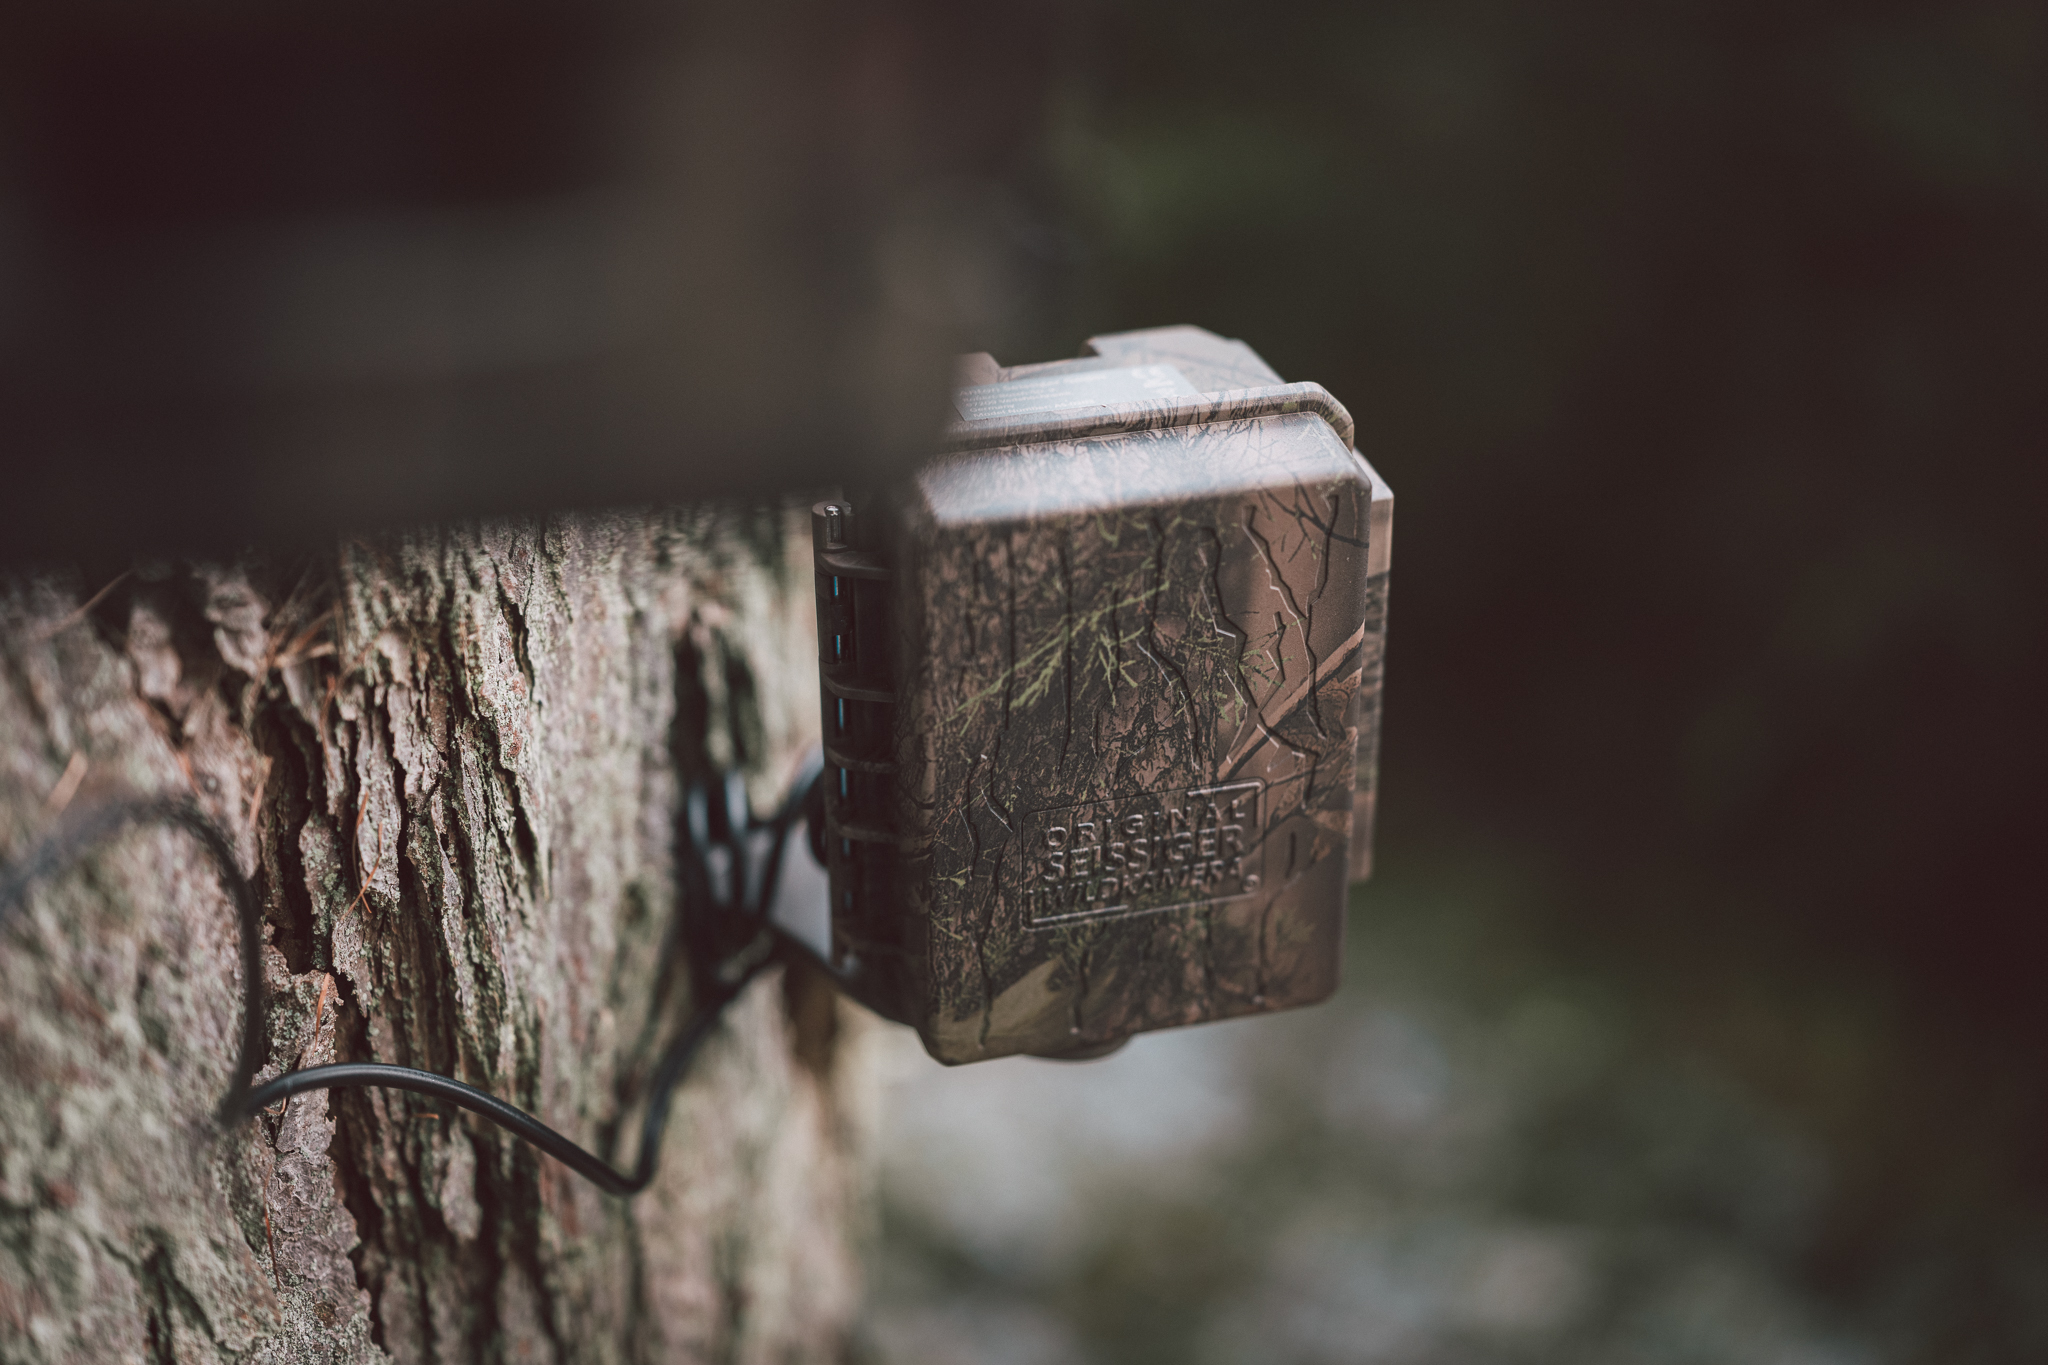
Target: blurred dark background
x,y
1704,348
275,273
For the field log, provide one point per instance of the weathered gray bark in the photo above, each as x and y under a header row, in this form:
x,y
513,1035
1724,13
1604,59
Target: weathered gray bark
x,y
483,728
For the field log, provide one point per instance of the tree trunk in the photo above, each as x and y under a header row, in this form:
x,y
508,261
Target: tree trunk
x,y
451,762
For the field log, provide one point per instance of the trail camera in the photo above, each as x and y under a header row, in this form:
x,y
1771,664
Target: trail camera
x,y
1101,702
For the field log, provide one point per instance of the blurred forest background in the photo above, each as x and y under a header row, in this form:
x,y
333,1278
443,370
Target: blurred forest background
x,y
1696,1011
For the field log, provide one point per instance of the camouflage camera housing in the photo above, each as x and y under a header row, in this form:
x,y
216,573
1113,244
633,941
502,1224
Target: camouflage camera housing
x,y
1101,702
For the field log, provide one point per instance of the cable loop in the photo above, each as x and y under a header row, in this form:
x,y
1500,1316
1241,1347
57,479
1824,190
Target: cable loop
x,y
728,929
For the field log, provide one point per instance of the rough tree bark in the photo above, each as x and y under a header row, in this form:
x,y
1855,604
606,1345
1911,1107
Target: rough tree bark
x,y
451,761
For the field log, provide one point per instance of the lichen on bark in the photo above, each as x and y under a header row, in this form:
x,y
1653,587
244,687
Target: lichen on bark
x,y
451,760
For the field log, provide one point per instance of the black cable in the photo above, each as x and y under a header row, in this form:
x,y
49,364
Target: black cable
x,y
738,919
518,1122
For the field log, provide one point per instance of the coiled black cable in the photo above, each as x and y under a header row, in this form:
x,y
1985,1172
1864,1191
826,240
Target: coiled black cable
x,y
735,925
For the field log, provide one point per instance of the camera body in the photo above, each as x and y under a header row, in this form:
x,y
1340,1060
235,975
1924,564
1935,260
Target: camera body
x,y
1101,702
